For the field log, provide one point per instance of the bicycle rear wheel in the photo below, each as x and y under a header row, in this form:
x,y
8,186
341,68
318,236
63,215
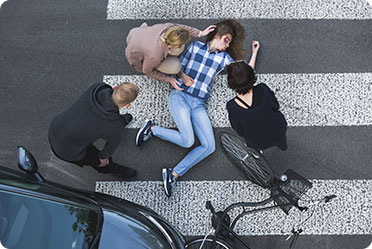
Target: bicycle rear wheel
x,y
248,160
207,244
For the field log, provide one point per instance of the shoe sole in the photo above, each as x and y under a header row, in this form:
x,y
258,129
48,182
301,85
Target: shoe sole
x,y
140,131
164,176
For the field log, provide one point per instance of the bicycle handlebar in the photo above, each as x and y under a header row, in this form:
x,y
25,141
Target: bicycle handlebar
x,y
325,199
208,205
329,197
296,232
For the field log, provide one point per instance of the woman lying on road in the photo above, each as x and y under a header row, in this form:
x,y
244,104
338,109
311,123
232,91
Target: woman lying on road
x,y
149,47
200,63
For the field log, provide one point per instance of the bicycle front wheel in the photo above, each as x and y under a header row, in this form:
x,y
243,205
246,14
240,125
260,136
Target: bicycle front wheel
x,y
201,243
248,160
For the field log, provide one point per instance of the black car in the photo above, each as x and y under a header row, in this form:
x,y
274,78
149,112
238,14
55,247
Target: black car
x,y
38,214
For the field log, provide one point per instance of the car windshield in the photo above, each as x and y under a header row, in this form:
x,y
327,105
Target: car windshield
x,y
31,222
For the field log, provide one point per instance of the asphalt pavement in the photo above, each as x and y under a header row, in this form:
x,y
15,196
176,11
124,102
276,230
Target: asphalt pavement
x,y
51,51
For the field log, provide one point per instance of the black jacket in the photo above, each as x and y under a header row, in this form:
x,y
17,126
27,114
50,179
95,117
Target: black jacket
x,y
91,117
262,126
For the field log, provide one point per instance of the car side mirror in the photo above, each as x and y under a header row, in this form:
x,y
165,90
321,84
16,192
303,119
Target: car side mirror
x,y
27,163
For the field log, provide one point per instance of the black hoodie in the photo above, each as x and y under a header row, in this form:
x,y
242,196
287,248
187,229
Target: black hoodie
x,y
91,117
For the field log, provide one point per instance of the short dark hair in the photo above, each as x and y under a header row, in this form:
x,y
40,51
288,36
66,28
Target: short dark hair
x,y
240,77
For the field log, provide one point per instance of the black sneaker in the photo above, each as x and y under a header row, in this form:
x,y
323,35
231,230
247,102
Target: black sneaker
x,y
144,132
121,171
102,169
168,180
116,169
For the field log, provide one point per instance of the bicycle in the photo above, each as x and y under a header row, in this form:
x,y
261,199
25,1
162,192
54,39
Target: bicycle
x,y
285,193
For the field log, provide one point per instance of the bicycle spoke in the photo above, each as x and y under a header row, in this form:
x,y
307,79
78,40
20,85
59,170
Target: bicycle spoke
x,y
233,148
259,170
256,171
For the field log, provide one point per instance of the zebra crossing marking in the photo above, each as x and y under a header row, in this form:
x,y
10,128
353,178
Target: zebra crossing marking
x,y
340,99
349,214
222,9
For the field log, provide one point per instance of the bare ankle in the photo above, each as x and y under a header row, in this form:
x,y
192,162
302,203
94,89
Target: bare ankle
x,y
104,162
175,174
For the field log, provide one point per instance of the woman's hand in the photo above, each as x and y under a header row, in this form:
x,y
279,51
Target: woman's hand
x,y
175,84
255,46
187,80
207,30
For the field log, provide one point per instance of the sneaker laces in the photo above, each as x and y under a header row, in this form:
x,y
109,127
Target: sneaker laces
x,y
147,134
172,180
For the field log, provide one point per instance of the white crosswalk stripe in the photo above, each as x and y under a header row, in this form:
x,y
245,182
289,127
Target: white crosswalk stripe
x,y
220,9
306,99
348,214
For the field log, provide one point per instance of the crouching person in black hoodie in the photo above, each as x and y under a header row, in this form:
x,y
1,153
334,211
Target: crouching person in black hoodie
x,y
93,116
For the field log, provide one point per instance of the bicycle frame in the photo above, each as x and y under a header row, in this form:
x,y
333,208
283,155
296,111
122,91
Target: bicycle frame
x,y
229,228
219,220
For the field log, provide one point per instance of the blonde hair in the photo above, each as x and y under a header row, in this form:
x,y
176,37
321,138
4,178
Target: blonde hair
x,y
175,36
125,93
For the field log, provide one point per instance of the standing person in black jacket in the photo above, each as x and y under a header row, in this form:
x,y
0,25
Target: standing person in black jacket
x,y
93,116
254,113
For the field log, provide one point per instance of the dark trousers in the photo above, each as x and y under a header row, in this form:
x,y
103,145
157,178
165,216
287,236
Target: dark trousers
x,y
91,157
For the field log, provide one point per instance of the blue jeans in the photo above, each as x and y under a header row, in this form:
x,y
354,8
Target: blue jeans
x,y
190,115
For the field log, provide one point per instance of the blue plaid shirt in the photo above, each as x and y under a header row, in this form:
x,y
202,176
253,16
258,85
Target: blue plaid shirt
x,y
202,66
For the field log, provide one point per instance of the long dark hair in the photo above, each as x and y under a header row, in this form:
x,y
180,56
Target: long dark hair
x,y
236,30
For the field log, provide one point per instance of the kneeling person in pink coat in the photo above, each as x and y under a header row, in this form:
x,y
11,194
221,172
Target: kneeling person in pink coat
x,y
153,50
